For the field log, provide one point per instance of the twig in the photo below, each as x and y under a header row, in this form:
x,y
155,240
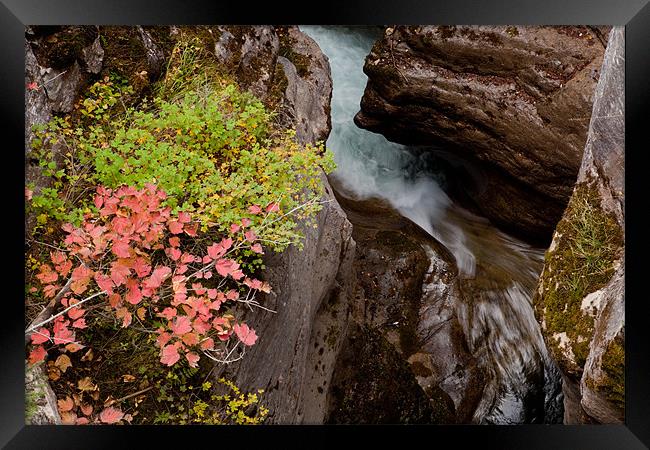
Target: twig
x,y
34,327
135,394
46,311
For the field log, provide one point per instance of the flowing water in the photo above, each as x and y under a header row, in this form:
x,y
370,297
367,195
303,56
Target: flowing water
x,y
498,273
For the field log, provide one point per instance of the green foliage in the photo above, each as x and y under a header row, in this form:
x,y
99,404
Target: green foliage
x,y
214,154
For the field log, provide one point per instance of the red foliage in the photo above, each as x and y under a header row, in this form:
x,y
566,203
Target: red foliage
x,y
132,254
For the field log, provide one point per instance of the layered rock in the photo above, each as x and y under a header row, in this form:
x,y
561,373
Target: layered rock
x,y
515,99
580,298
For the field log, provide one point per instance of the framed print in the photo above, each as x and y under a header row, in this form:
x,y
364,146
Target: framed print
x,y
401,222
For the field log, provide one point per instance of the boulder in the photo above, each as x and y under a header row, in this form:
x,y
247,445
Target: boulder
x,y
515,99
406,295
580,297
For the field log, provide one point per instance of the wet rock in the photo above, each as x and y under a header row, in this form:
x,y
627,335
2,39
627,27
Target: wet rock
x,y
373,384
407,291
516,99
580,298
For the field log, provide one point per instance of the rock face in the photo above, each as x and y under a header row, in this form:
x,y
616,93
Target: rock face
x,y
41,407
515,99
411,361
580,297
294,361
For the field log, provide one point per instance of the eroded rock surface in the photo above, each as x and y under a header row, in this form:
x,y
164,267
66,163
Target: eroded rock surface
x,y
580,298
404,317
516,99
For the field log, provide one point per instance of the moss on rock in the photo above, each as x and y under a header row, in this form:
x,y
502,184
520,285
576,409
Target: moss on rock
x,y
613,364
580,261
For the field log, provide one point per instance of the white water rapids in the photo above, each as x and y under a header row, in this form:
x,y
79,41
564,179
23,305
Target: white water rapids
x,y
499,272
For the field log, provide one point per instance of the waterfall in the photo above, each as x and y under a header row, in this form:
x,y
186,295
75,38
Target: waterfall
x,y
498,273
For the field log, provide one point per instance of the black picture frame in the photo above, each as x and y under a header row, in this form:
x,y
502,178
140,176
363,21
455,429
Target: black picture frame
x,y
634,14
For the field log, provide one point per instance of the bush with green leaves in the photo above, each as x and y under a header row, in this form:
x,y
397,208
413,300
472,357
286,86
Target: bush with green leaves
x,y
215,153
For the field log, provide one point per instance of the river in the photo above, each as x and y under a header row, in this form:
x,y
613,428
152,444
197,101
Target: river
x,y
498,272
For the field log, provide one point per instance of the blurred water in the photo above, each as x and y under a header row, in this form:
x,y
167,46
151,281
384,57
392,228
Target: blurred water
x,y
499,273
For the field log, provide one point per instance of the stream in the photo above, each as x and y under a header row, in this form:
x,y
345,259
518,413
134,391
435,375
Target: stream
x,y
498,272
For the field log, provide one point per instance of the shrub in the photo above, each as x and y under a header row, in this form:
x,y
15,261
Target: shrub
x,y
214,155
152,268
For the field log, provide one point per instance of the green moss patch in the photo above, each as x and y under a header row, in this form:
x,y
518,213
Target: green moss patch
x,y
287,43
582,262
613,364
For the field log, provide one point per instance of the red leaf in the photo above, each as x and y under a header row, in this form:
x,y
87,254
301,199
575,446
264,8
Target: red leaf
x,y
272,207
191,229
104,283
32,86
187,258
125,315
62,334
119,273
175,227
226,266
245,334
250,236
192,359
47,275
184,217
168,313
81,323
133,296
111,415
216,251
253,284
64,268
66,404
174,241
234,228
191,338
170,355
142,269
173,253
58,257
75,313
257,248
226,243
208,344
121,248
254,209
163,338
50,290
181,325
157,277
99,201
40,336
36,355
245,222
